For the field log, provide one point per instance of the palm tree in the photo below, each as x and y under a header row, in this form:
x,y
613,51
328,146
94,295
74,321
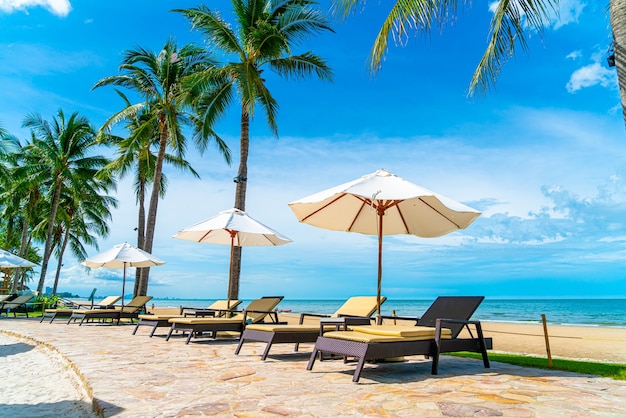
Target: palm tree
x,y
160,80
265,35
135,152
509,26
58,157
617,10
83,217
20,201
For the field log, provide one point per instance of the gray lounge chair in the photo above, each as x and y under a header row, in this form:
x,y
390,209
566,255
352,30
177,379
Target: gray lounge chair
x,y
130,311
66,312
220,308
436,332
254,313
16,305
357,310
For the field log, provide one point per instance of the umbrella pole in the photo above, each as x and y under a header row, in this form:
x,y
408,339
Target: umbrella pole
x,y
123,284
230,274
380,260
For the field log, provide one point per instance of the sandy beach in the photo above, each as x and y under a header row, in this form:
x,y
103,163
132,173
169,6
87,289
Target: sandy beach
x,y
62,370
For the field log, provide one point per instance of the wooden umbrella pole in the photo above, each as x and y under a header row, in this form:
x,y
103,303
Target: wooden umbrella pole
x,y
230,274
545,333
123,284
380,260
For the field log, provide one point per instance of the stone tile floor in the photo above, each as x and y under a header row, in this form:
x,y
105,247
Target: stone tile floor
x,y
138,376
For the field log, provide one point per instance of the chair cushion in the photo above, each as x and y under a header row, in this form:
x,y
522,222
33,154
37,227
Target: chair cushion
x,y
96,311
358,306
284,328
362,337
401,330
61,310
158,317
210,320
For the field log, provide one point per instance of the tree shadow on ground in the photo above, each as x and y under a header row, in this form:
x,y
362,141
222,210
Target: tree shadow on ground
x,y
14,349
66,409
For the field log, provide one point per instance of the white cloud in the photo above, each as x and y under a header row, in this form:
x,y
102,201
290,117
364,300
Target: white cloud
x,y
57,7
574,55
589,76
569,12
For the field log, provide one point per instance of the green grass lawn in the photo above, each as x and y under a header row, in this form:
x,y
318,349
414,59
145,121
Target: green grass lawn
x,y
612,370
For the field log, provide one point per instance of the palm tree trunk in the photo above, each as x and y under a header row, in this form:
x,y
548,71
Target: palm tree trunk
x,y
154,203
66,238
22,252
48,247
141,230
618,26
240,200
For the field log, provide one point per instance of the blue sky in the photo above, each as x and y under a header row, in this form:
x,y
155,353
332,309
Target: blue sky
x,y
542,156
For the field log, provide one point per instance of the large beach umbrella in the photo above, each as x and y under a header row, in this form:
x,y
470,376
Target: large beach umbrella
x,y
383,204
10,261
122,256
232,227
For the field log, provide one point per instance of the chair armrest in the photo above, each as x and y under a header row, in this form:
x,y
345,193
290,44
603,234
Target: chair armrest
x,y
394,317
314,315
466,323
356,320
269,313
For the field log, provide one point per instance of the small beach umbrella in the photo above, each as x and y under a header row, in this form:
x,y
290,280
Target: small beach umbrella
x,y
122,256
383,204
232,227
10,261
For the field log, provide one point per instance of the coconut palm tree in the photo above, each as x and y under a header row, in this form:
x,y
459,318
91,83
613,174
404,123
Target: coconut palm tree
x,y
135,155
509,26
58,157
82,217
159,79
264,36
617,10
21,204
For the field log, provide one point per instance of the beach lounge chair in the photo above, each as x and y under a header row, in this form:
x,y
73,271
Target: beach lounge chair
x,y
5,298
220,308
436,332
254,313
66,312
217,308
357,310
129,311
16,305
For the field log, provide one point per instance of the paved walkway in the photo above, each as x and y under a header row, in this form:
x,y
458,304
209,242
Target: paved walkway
x,y
138,376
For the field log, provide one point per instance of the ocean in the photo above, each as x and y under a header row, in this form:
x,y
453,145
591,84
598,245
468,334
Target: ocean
x,y
580,312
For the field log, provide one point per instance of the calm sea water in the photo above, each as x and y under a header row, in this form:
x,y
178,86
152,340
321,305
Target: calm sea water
x,y
587,312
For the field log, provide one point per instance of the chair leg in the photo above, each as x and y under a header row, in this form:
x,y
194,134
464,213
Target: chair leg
x,y
267,351
153,329
136,327
169,334
359,369
312,359
241,341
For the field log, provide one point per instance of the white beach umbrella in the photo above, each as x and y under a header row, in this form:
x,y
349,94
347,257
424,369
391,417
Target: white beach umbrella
x,y
122,256
11,261
232,227
383,204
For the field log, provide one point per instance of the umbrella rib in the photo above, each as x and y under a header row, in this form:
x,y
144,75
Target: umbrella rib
x,y
358,212
323,207
440,214
205,235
